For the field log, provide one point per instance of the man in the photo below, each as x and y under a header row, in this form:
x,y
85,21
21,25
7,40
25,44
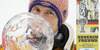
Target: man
x,y
55,12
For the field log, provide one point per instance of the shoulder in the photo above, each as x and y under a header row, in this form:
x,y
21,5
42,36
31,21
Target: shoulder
x,y
68,45
64,37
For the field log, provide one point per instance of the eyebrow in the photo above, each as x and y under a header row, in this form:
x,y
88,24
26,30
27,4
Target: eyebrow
x,y
47,9
50,10
35,7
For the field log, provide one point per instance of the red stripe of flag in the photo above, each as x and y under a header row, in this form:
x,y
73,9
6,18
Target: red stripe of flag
x,y
90,23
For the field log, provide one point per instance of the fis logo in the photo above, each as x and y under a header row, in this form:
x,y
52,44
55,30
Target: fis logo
x,y
64,12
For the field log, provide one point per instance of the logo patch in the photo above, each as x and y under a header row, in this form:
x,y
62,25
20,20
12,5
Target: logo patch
x,y
37,0
45,3
64,12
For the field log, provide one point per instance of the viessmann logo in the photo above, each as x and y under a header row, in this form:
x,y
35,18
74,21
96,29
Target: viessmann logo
x,y
45,3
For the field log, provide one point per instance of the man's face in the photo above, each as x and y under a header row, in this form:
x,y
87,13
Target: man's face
x,y
48,14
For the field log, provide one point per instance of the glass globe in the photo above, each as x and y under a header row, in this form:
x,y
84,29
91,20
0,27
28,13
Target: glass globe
x,y
27,31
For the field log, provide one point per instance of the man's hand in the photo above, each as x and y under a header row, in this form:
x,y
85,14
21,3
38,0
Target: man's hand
x,y
14,46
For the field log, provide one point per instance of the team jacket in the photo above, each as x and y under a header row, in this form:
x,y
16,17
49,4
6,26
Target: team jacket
x,y
62,39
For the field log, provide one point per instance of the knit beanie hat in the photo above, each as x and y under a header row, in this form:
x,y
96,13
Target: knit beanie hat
x,y
60,7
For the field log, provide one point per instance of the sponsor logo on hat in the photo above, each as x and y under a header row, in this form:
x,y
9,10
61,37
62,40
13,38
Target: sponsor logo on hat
x,y
45,3
38,0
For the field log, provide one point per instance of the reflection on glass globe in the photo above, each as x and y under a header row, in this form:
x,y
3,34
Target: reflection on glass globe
x,y
27,31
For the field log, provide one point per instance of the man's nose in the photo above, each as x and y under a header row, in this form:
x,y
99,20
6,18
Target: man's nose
x,y
41,14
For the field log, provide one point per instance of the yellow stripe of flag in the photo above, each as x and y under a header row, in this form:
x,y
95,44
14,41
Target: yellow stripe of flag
x,y
89,25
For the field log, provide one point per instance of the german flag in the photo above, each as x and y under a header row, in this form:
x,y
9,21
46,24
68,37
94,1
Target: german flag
x,y
91,23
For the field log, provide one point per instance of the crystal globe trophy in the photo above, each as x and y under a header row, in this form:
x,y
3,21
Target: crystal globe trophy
x,y
27,31
82,22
